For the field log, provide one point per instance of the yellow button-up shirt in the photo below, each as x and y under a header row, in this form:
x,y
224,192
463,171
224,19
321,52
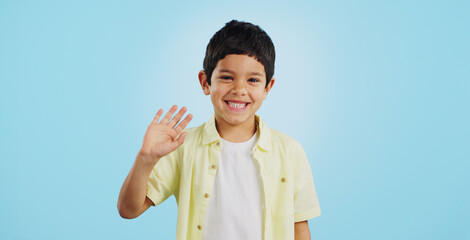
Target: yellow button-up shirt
x,y
189,173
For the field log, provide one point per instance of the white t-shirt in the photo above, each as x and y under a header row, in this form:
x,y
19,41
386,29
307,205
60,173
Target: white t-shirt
x,y
235,205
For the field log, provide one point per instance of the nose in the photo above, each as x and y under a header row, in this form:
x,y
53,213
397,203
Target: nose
x,y
239,88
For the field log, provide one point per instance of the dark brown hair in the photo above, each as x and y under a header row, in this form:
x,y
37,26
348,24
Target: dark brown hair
x,y
240,38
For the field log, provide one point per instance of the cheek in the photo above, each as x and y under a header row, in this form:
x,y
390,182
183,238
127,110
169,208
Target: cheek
x,y
216,94
258,96
221,91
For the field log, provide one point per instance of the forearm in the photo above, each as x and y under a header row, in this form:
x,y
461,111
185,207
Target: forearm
x,y
302,231
134,189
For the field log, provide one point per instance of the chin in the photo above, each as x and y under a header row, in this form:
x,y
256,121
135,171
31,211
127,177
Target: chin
x,y
236,120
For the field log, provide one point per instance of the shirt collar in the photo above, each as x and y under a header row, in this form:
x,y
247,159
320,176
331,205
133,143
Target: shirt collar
x,y
210,134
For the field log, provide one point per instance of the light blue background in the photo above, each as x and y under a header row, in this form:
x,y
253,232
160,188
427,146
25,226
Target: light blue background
x,y
377,93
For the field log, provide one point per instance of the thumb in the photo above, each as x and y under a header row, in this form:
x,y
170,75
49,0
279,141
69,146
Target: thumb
x,y
180,139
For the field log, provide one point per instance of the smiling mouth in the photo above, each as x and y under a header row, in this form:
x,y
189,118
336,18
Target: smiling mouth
x,y
237,107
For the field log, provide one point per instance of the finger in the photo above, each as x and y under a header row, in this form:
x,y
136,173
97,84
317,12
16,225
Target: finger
x,y
157,116
183,123
177,117
168,115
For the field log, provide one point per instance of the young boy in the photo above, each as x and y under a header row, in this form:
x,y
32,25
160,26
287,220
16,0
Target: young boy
x,y
233,177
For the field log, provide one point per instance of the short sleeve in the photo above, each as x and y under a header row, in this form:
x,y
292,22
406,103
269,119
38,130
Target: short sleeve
x,y
306,205
164,178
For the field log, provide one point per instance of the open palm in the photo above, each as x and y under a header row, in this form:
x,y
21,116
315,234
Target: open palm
x,y
162,137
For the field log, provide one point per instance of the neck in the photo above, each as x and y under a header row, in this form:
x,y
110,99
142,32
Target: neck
x,y
236,133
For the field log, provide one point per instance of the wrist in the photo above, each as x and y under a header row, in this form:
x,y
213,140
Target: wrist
x,y
145,160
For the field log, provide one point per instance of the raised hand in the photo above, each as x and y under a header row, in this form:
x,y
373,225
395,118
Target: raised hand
x,y
162,137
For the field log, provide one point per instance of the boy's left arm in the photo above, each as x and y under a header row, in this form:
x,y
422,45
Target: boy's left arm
x,y
302,232
306,204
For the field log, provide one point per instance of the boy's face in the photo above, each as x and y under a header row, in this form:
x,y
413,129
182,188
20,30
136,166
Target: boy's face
x,y
237,89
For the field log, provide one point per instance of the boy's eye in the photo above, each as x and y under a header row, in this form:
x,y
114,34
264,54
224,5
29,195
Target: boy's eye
x,y
253,80
226,77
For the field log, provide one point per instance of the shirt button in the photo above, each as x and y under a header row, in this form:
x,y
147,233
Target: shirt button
x,y
218,143
283,179
206,195
213,166
199,227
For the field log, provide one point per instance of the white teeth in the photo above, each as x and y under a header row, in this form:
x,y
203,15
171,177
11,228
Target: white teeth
x,y
237,105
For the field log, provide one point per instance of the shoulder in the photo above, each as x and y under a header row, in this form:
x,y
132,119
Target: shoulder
x,y
281,139
289,150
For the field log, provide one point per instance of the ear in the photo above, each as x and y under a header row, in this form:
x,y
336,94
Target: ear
x,y
203,81
269,87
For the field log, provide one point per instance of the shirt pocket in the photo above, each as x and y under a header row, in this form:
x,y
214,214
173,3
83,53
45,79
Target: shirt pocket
x,y
282,198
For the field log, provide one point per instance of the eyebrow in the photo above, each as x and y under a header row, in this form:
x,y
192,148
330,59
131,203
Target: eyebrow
x,y
232,72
